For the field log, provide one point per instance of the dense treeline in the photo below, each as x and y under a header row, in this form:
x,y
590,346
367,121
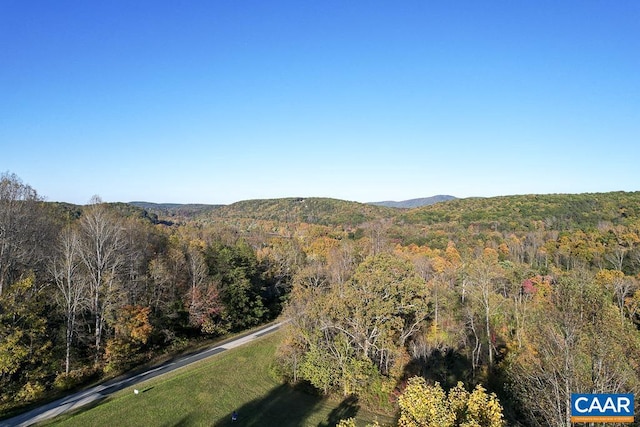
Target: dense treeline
x,y
92,290
528,297
534,308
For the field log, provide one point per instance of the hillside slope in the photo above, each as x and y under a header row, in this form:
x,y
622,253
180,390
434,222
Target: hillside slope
x,y
414,203
554,211
323,211
175,209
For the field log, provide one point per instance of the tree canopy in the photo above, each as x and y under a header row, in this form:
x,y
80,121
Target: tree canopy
x,y
506,297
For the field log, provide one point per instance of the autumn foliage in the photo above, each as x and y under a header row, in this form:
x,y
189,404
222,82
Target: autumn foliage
x,y
524,299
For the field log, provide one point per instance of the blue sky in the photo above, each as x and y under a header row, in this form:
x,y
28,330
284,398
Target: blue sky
x,y
220,101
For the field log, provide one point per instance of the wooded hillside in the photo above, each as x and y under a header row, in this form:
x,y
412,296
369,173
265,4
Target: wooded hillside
x,y
529,297
531,212
313,210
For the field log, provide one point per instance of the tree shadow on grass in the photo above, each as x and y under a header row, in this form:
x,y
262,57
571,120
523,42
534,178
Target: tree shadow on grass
x,y
287,406
348,408
282,406
185,421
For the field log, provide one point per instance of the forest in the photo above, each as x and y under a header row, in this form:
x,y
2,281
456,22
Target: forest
x,y
467,312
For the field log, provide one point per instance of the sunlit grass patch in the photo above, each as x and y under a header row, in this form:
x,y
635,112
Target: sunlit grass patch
x,y
207,393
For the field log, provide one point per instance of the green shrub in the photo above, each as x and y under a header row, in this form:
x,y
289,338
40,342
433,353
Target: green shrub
x,y
74,378
30,391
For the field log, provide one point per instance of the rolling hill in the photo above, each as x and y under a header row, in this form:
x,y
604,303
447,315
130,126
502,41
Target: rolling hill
x,y
414,203
313,210
175,209
516,212
523,212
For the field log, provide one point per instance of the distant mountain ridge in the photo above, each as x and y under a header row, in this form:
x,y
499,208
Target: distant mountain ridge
x,y
415,203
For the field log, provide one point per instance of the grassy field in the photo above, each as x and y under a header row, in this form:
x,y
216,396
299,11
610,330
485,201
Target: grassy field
x,y
208,393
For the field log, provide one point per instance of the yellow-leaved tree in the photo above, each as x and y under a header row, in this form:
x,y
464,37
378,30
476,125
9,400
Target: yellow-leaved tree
x,y
422,405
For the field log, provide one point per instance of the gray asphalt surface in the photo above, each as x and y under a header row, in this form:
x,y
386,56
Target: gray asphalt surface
x,y
101,391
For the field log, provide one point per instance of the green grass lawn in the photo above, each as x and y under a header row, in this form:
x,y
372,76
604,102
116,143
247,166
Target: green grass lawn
x,y
207,394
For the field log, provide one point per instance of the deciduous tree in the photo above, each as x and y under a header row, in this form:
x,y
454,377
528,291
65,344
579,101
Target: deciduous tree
x,y
484,274
422,405
19,229
72,291
351,333
25,348
566,351
102,253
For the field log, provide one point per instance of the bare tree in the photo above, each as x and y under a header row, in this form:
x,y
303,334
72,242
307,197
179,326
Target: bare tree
x,y
484,274
622,289
102,253
623,244
139,244
199,275
160,283
376,231
71,290
573,342
18,227
342,262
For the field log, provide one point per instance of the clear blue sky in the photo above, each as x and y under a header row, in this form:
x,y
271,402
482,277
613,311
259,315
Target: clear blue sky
x,y
218,101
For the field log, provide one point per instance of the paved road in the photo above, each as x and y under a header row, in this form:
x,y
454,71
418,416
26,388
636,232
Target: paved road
x,y
103,390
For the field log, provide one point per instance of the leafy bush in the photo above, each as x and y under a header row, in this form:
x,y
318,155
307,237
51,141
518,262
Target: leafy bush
x,y
30,391
74,378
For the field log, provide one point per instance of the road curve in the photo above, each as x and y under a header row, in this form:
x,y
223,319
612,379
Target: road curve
x,y
101,391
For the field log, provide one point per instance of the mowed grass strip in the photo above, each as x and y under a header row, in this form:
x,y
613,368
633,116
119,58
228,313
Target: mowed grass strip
x,y
207,393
